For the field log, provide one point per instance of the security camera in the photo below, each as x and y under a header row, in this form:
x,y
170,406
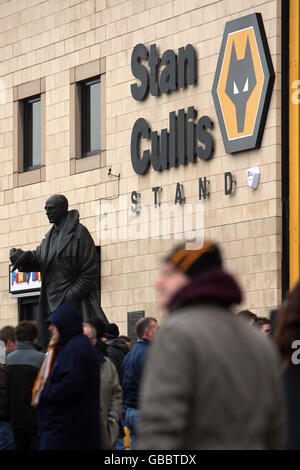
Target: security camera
x,y
111,174
253,175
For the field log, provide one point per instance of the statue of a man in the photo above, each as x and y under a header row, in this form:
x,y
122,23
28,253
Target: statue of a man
x,y
67,260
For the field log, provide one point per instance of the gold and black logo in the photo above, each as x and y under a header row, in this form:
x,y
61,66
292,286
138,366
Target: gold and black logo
x,y
243,83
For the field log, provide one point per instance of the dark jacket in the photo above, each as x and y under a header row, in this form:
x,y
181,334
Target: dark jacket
x,y
211,381
22,368
132,368
116,352
76,261
101,348
3,393
69,406
291,381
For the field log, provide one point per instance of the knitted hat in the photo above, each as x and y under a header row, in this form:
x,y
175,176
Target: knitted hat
x,y
196,260
112,329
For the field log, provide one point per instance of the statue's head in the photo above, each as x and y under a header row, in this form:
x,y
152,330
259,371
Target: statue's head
x,y
56,208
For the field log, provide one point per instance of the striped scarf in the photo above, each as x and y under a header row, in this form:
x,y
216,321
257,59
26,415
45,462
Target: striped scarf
x,y
44,372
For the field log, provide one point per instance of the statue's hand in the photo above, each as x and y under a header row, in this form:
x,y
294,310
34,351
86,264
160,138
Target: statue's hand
x,y
18,257
14,254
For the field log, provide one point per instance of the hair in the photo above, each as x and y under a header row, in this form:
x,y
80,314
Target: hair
x,y
92,329
26,331
125,338
247,315
263,321
287,328
273,316
142,325
8,332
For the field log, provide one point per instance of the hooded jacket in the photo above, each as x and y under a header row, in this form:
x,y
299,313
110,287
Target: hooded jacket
x,y
69,405
211,381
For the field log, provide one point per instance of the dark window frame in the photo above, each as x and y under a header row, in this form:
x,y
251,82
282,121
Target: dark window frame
x,y
28,308
26,130
86,119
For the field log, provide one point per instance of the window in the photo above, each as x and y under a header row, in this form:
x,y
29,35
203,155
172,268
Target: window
x,y
29,132
28,308
90,117
87,106
32,133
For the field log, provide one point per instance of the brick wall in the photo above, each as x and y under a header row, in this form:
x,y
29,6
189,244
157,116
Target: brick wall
x,y
45,40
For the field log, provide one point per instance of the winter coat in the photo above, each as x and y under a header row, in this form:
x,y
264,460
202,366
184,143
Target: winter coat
x,y
211,381
111,399
75,260
116,352
3,394
22,368
291,381
132,368
69,407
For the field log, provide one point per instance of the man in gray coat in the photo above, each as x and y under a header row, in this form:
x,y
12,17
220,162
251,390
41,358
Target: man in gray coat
x,y
211,382
111,396
67,259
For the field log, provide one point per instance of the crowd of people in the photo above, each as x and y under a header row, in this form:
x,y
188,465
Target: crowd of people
x,y
71,397
189,383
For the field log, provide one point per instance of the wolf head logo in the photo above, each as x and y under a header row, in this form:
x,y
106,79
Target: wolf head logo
x,y
241,81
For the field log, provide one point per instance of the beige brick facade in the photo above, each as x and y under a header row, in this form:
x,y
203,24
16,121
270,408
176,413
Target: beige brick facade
x,y
47,41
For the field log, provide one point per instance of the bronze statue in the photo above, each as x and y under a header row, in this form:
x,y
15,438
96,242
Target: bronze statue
x,y
67,260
